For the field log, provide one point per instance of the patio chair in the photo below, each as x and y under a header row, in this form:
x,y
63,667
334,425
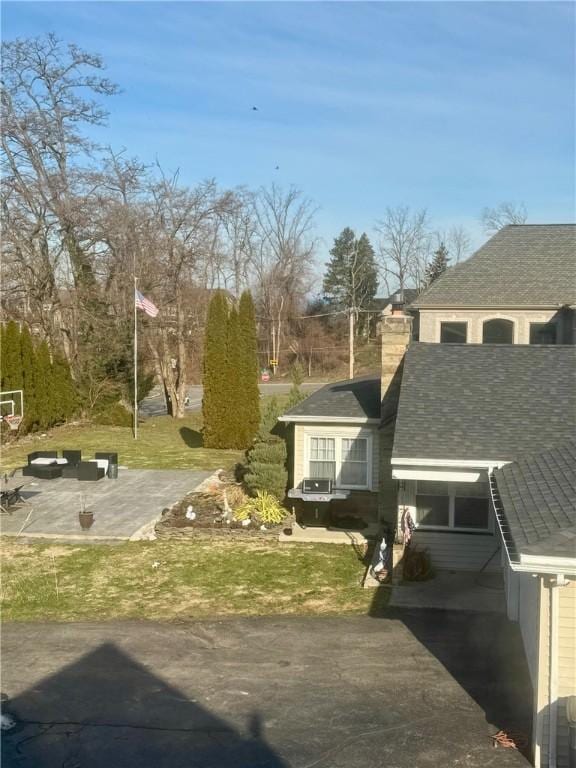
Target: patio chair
x,y
111,458
89,470
70,469
31,469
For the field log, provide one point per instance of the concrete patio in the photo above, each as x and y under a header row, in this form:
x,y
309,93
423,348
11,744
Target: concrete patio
x,y
453,591
125,508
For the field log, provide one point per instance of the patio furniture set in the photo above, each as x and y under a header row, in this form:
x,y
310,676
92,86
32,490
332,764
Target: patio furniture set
x,y
46,465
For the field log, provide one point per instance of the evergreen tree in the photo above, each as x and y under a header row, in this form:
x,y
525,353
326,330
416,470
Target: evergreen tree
x,y
65,396
296,395
214,375
351,278
249,367
438,265
11,358
44,388
28,378
233,405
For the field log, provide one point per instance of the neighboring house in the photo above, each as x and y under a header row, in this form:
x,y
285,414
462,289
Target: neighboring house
x,y
535,504
518,288
385,305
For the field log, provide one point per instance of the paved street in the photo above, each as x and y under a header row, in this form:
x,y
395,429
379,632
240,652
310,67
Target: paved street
x,y
154,404
121,507
419,689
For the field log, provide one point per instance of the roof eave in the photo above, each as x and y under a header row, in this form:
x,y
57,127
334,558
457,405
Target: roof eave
x,y
328,419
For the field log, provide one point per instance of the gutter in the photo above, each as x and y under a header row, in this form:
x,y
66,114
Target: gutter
x,y
328,419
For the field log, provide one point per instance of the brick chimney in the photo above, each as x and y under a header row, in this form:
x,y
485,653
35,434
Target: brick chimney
x,y
396,332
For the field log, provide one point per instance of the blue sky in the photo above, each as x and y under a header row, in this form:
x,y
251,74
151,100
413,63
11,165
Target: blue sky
x,y
448,106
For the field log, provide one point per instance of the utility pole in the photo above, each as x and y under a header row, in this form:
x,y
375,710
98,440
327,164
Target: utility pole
x,y
351,343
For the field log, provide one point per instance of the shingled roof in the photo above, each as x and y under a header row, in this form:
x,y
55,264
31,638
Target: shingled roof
x,y
484,401
535,501
525,265
357,398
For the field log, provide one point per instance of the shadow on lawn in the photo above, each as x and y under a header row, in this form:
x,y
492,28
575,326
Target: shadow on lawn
x,y
106,709
191,437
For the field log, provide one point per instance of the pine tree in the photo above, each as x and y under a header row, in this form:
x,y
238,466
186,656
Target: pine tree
x,y
44,388
29,378
11,358
351,278
215,370
249,367
438,265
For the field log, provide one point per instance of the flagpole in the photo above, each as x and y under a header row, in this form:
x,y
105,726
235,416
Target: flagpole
x,y
135,358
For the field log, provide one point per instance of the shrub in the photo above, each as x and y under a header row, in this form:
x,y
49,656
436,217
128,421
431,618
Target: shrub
x,y
265,508
266,467
114,415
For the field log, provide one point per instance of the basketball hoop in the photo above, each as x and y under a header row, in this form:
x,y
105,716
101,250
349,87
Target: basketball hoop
x,y
13,420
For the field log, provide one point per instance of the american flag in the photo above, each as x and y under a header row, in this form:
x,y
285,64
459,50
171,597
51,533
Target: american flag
x,y
146,305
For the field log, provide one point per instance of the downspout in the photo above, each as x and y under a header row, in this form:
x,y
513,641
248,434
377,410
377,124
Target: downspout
x,y
559,581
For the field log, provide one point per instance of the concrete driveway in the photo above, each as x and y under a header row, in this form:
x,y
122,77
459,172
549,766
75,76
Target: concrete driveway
x,y
416,689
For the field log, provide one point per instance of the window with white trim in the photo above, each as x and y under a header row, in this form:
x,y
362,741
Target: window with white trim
x,y
344,460
452,506
323,458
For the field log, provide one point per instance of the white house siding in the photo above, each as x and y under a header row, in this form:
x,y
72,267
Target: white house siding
x,y
451,550
303,431
566,671
430,320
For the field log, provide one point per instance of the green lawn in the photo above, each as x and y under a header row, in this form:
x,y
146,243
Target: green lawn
x,y
175,580
163,443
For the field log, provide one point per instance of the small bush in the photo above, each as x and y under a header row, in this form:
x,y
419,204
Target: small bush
x,y
114,415
265,508
266,467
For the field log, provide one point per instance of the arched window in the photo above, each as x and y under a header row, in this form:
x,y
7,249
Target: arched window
x,y
498,331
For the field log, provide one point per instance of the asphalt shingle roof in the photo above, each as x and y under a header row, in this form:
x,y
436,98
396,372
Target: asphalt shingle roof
x,y
527,265
354,398
537,497
485,401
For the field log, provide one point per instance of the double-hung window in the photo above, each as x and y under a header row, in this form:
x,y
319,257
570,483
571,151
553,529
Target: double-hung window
x,y
323,458
344,460
452,506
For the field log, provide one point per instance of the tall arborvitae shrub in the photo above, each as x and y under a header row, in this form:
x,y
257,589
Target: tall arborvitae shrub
x,y
11,358
233,406
44,388
29,378
215,370
249,367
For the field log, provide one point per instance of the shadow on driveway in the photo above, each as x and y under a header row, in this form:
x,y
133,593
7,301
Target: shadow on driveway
x,y
106,709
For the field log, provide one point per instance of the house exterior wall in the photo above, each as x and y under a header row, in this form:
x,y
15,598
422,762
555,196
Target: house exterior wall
x,y
363,503
430,320
453,550
566,672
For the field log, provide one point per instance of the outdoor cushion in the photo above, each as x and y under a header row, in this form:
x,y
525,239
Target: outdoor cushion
x,y
45,460
42,454
103,464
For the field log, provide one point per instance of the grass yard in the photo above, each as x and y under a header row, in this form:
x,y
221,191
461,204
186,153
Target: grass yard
x,y
163,443
171,580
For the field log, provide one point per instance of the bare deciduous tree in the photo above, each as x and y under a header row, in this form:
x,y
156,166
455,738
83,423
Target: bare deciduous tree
x,y
404,247
493,219
281,254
